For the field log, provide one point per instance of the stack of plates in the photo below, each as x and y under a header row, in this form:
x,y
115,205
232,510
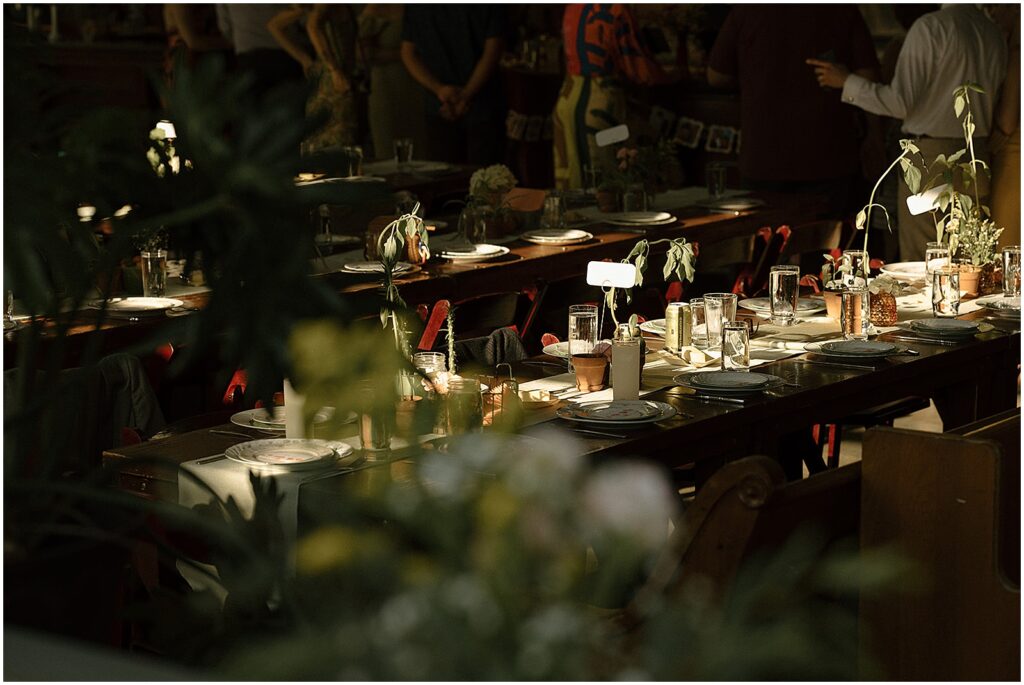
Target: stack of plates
x,y
804,305
914,273
639,219
293,454
946,328
374,267
138,307
474,253
856,349
655,326
266,421
728,382
1000,305
617,412
557,236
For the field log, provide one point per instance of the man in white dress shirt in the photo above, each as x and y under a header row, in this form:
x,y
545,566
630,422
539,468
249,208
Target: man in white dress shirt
x,y
942,51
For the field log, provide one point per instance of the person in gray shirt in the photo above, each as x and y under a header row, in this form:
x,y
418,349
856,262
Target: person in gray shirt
x,y
257,51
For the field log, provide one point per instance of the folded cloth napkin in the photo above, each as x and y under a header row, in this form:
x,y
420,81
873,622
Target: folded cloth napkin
x,y
500,347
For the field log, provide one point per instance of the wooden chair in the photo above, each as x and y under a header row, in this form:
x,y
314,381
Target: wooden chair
x,y
816,237
951,503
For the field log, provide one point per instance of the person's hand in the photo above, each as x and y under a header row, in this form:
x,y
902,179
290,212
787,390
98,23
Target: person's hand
x,y
448,95
340,82
829,74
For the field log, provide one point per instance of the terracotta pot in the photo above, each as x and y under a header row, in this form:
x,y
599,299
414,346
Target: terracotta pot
x,y
591,371
833,303
970,277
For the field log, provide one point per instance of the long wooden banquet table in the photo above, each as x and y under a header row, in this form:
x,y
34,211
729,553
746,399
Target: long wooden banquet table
x,y
967,381
524,266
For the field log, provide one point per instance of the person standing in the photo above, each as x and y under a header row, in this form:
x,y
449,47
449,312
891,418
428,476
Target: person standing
x,y
1005,146
796,138
256,50
602,50
942,51
330,67
396,101
453,52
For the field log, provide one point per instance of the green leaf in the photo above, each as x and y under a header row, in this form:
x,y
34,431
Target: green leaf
x,y
958,105
975,87
955,156
913,179
862,217
670,267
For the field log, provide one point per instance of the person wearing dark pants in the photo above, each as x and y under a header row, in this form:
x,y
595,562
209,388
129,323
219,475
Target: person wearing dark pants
x,y
453,51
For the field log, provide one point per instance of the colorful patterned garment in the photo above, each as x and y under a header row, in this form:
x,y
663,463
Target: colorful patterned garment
x,y
602,49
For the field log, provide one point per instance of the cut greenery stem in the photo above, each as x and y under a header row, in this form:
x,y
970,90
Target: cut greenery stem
x,y
679,261
389,246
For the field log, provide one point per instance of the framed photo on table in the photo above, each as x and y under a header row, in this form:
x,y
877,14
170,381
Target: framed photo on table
x,y
688,132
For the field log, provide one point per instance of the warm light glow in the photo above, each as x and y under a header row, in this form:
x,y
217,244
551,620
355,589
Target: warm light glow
x,y
86,212
168,129
123,211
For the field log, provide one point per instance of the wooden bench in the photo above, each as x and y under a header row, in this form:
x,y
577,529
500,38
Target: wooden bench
x,y
951,503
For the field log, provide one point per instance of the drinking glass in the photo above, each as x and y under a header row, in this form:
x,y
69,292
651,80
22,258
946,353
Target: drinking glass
x,y
718,308
860,268
554,212
9,307
715,174
698,322
1011,271
154,272
634,199
735,346
936,255
403,152
430,364
465,406
582,329
784,291
853,314
354,153
946,291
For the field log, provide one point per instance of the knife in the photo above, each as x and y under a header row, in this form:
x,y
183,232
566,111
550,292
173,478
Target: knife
x,y
926,341
691,394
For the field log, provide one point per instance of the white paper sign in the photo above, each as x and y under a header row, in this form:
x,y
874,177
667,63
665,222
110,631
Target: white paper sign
x,y
611,274
610,136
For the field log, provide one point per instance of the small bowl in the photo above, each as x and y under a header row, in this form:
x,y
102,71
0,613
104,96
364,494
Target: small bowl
x,y
537,399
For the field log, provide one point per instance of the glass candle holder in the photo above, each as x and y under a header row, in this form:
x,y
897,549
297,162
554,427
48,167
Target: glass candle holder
x,y
699,326
783,293
854,314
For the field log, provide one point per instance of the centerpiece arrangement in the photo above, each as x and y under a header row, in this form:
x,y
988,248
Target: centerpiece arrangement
x,y
487,214
634,175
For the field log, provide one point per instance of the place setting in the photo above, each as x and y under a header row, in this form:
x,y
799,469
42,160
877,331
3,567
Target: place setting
x,y
275,421
855,354
729,386
557,236
762,306
377,267
480,252
939,331
639,219
293,454
135,308
616,413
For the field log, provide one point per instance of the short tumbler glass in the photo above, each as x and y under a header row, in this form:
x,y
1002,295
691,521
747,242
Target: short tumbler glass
x,y
735,346
153,269
719,308
582,329
784,292
699,324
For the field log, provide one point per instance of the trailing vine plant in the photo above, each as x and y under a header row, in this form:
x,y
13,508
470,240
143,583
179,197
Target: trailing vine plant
x,y
680,262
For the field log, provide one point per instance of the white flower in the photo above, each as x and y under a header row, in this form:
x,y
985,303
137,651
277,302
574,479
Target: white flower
x,y
632,500
496,178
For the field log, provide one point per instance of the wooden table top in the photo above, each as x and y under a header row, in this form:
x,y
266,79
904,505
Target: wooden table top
x,y
967,381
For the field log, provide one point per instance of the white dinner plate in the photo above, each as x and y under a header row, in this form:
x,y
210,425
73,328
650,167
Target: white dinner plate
x,y
138,306
374,267
561,349
639,217
913,272
260,420
951,327
557,236
804,305
655,326
292,453
631,411
343,179
735,204
1003,306
474,253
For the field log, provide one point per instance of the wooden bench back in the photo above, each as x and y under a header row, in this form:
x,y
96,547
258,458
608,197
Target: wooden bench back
x,y
943,501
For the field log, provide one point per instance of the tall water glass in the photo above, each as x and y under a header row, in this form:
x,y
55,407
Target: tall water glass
x,y
154,272
403,152
784,291
946,291
699,324
715,173
465,406
735,346
1011,271
860,268
430,364
582,329
718,308
854,313
936,255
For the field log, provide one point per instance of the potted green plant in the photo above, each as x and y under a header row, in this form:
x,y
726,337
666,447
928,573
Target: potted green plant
x,y
978,241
